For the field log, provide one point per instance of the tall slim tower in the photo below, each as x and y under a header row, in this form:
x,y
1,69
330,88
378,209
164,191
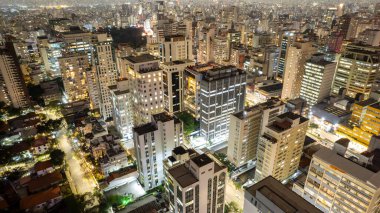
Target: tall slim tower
x,y
106,73
296,57
12,85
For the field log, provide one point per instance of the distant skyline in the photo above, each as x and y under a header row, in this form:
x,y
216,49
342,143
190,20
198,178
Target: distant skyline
x,y
89,2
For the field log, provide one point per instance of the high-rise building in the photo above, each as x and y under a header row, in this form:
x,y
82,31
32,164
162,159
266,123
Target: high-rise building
x,y
337,184
77,40
172,77
205,45
154,142
106,72
317,80
191,83
280,147
221,51
12,85
269,195
50,51
296,56
363,123
175,48
356,70
246,127
145,77
287,39
73,68
194,182
222,92
122,108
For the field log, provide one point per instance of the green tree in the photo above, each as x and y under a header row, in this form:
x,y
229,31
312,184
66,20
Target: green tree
x,y
232,207
189,123
57,156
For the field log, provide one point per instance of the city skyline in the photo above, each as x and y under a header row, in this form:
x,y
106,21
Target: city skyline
x,y
179,106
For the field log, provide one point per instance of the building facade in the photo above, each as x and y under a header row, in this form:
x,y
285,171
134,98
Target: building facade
x,y
172,76
245,130
197,185
336,184
280,147
154,142
296,57
145,78
121,98
176,48
73,68
106,72
222,92
356,70
12,85
317,80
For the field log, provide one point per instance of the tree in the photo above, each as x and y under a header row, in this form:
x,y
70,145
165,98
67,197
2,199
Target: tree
x,y
232,207
35,91
57,156
189,123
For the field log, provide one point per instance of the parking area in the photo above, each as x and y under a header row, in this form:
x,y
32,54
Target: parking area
x,y
132,187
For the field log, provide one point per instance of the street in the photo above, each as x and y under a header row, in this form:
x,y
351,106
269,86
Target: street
x,y
80,183
233,194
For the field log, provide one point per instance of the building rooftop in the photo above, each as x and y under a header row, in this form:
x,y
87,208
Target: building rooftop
x,y
271,88
202,160
141,58
330,113
286,121
174,38
179,150
178,62
282,197
348,167
163,117
41,165
44,181
145,128
366,102
183,175
222,72
30,201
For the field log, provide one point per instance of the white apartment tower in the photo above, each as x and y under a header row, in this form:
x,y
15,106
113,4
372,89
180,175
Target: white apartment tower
x,y
175,48
195,183
121,98
153,143
106,72
246,127
317,80
280,147
145,78
296,56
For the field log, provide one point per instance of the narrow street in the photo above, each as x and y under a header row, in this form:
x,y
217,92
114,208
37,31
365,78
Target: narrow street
x,y
233,194
80,183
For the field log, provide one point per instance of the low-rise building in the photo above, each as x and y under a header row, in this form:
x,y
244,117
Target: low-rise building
x,y
269,195
41,201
